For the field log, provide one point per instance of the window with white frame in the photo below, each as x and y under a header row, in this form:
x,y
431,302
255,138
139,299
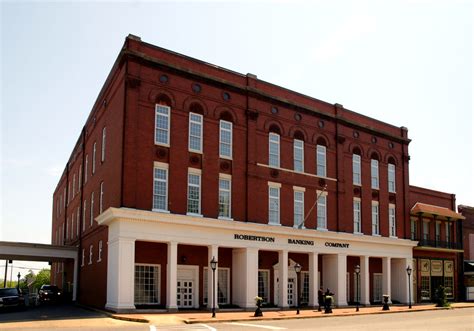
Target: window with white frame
x,y
94,152
67,228
160,186
64,204
77,220
92,209
99,253
356,169
147,284
194,192
298,208
91,247
273,204
321,160
448,232
438,232
375,218
73,185
225,196
357,218
274,150
102,152
304,291
374,173
391,178
101,198
322,210
83,257
72,225
392,220
195,132
225,139
162,125
426,230
298,155
263,284
223,286
69,193
413,229
84,213
79,178
86,166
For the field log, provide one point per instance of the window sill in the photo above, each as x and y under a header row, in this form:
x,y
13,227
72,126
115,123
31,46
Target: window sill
x,y
194,214
162,144
322,229
299,228
357,184
277,224
225,157
160,211
393,192
225,218
376,235
375,188
358,233
194,151
394,237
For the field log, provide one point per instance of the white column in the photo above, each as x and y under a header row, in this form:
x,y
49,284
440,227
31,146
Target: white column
x,y
364,281
386,277
244,276
283,278
171,276
212,252
400,279
120,274
341,295
75,276
313,280
334,275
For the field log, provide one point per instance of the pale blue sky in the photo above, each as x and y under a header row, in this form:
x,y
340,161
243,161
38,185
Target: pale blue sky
x,y
408,63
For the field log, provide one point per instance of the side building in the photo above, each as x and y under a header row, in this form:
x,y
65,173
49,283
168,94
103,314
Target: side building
x,y
181,161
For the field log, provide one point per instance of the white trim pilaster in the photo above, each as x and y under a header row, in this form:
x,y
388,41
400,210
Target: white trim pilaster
x,y
171,276
364,281
386,277
313,279
212,251
283,278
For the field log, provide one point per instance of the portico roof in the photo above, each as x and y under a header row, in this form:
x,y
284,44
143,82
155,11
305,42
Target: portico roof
x,y
431,210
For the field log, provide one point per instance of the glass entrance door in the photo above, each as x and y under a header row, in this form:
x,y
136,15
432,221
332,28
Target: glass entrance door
x,y
185,294
291,292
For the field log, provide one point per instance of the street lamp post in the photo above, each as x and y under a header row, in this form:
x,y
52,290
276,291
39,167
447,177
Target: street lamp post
x,y
18,285
409,286
357,271
213,267
298,270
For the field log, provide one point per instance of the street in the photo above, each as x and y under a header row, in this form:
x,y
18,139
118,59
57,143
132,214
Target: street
x,y
75,318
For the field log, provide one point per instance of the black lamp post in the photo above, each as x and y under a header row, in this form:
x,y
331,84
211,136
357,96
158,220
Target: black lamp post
x,y
298,270
213,267
409,286
18,285
357,271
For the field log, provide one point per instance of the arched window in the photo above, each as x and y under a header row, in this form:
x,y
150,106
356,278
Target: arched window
x,y
356,167
274,149
374,171
321,157
391,175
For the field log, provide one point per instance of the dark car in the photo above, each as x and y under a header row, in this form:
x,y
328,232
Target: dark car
x,y
11,297
50,293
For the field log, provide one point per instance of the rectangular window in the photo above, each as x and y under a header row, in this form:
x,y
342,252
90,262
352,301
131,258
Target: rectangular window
x,y
378,279
79,178
274,150
392,220
91,247
194,193
84,216
101,198
225,139
391,178
321,160
147,284
273,205
438,232
356,170
298,155
72,225
67,228
223,286
449,285
298,209
73,185
322,211
426,230
102,153
304,292
263,284
224,197
375,218
374,173
425,288
160,187
77,220
86,166
413,230
99,254
69,193
83,257
448,232
195,132
92,208
357,218
94,150
162,125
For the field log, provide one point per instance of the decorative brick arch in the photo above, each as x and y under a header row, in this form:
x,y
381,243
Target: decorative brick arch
x,y
272,122
390,158
224,112
373,151
192,101
163,96
353,146
322,139
297,131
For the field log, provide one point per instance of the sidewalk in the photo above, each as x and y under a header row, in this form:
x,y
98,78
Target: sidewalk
x,y
223,316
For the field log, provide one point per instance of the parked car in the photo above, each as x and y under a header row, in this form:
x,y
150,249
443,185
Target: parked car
x,y
50,293
11,297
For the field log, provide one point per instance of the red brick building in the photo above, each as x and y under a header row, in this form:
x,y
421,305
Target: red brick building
x,y
181,161
468,241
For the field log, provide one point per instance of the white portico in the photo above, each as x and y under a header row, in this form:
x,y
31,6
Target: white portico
x,y
323,255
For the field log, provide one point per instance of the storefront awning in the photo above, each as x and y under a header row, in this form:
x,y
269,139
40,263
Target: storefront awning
x,y
430,210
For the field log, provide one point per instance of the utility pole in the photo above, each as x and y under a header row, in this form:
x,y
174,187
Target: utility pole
x,y
6,273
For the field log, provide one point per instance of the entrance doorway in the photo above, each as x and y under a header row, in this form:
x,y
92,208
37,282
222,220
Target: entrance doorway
x,y
436,281
185,294
291,292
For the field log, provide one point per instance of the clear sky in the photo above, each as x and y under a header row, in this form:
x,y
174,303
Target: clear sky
x,y
408,63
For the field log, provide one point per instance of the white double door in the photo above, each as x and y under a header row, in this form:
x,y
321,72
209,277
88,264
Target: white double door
x,y
187,291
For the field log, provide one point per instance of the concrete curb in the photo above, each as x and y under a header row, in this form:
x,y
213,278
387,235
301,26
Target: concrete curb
x,y
115,316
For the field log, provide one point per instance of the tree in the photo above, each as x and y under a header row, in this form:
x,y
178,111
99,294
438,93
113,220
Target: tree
x,y
43,277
